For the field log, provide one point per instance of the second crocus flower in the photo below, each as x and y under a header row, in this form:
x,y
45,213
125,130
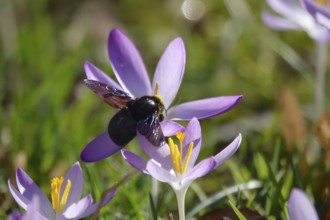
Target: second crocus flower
x,y
293,16
175,163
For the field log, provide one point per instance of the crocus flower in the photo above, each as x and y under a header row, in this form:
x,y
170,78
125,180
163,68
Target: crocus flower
x,y
65,195
320,10
175,163
293,16
133,78
300,207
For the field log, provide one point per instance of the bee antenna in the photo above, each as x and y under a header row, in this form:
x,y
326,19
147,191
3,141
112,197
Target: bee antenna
x,y
156,93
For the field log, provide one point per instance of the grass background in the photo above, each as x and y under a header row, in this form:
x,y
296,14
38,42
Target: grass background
x,y
48,115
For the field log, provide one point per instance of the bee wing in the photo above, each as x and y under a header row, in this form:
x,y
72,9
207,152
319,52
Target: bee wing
x,y
112,96
150,128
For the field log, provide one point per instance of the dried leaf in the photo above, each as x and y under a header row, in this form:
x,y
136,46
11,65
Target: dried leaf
x,y
322,131
20,160
293,125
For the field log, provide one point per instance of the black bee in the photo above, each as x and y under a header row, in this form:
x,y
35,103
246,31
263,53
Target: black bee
x,y
142,114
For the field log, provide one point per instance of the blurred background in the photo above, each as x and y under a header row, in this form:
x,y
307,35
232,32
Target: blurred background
x,y
48,115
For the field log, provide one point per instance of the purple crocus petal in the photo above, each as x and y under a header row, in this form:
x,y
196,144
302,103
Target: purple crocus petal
x,y
75,210
201,169
228,151
94,73
286,8
279,23
300,207
323,20
193,134
19,198
29,189
128,65
60,216
91,209
108,197
99,148
318,32
170,128
160,154
77,181
169,71
159,173
135,161
204,108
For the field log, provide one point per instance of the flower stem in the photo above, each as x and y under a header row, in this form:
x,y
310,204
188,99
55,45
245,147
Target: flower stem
x,y
180,196
321,63
154,190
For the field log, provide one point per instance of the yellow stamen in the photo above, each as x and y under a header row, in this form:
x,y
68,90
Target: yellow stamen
x,y
180,136
56,188
65,195
188,156
177,153
156,93
57,202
